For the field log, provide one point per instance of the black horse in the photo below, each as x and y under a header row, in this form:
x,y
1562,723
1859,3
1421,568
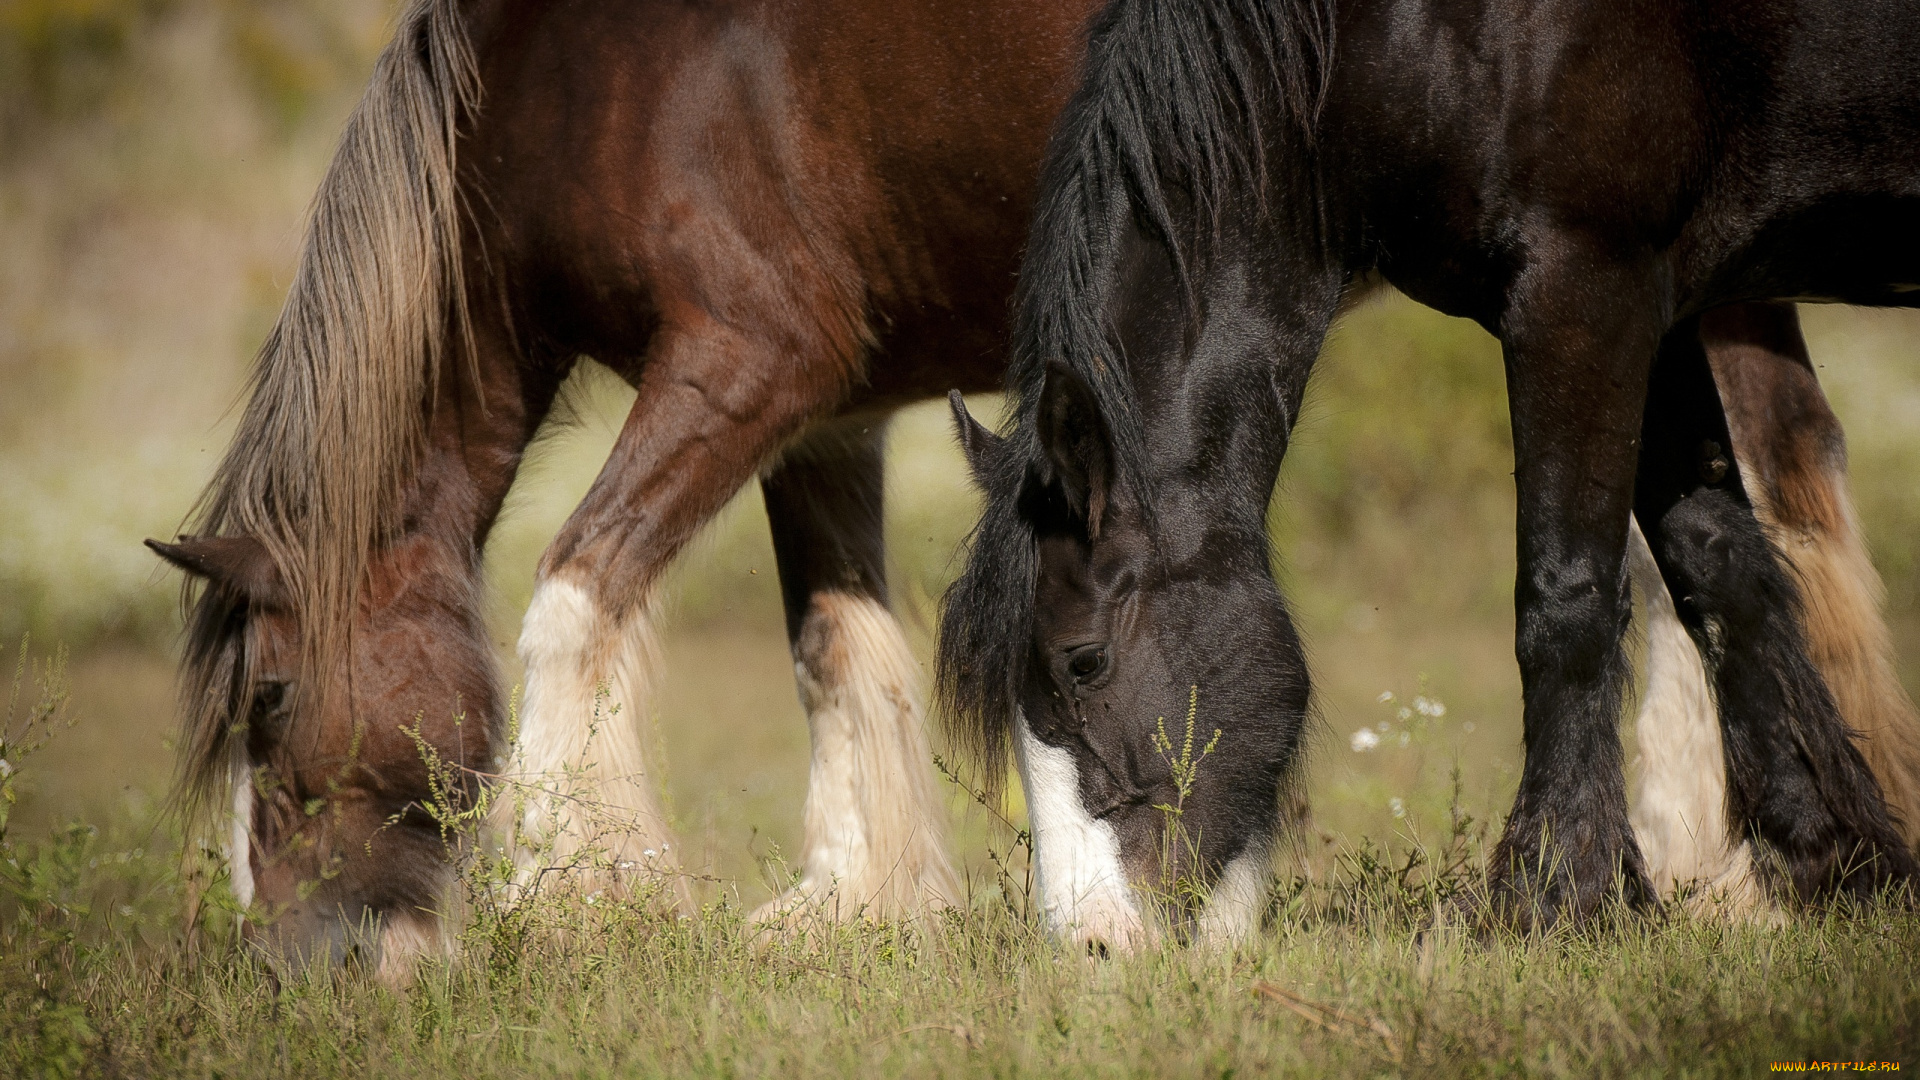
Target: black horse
x,y
1585,180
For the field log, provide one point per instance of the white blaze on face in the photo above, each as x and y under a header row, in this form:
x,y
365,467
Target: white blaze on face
x,y
1083,887
240,839
1238,899
405,938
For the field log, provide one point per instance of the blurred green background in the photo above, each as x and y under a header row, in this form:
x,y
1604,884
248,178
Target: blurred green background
x,y
155,160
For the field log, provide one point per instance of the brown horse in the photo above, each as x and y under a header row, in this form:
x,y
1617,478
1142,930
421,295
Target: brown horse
x,y
778,225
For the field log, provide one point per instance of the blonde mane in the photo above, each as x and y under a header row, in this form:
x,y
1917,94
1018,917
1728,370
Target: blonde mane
x,y
339,392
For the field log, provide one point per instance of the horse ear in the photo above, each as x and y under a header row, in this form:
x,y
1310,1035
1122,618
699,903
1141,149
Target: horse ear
x,y
240,563
982,448
1077,443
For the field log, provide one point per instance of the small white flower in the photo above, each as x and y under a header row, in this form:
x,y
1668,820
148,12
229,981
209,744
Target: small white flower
x,y
1406,737
1404,713
649,853
1383,727
6,768
1399,808
1385,697
1363,740
1426,706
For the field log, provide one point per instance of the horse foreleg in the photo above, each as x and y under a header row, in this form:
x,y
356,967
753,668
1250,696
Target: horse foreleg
x,y
581,793
1793,456
1795,781
713,406
875,825
1576,377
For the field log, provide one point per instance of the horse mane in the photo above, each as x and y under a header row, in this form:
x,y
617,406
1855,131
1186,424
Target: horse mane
x,y
337,412
1179,96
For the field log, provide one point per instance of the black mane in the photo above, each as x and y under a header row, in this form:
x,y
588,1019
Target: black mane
x,y
1182,100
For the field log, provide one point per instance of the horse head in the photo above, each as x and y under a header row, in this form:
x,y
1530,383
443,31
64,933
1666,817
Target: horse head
x,y
332,851
1154,685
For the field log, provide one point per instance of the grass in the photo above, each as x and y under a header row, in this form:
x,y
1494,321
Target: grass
x,y
1340,986
120,957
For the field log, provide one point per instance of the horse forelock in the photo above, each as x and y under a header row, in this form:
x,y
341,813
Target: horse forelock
x,y
986,632
339,393
217,681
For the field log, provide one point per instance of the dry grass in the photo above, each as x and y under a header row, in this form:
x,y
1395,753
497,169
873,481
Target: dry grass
x,y
120,959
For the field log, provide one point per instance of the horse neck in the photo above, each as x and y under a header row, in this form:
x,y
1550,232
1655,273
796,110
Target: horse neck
x,y
484,414
1215,416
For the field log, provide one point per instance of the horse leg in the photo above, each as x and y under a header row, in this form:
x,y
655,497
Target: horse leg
x,y
715,402
875,832
1793,458
1576,377
1796,784
1680,817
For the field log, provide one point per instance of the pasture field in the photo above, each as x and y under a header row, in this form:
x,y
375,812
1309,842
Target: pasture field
x,y
154,159
118,957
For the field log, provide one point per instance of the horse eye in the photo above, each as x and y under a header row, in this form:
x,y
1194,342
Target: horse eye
x,y
1087,662
267,717
268,697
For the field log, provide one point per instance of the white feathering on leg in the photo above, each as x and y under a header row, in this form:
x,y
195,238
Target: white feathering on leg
x,y
594,812
1680,817
875,826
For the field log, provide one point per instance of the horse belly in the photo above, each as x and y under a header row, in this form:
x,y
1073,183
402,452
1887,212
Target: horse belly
x,y
865,169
